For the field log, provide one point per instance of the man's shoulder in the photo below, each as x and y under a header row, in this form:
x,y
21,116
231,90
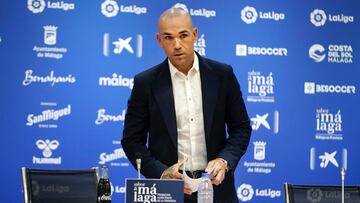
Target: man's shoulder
x,y
215,65
151,73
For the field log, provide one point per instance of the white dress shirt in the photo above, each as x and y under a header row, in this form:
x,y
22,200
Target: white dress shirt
x,y
189,116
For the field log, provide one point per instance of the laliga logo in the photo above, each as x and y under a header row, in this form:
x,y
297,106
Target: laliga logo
x,y
318,17
181,6
245,192
316,52
47,146
249,15
36,6
109,8
314,195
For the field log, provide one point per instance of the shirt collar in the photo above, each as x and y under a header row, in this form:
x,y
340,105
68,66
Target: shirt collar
x,y
174,70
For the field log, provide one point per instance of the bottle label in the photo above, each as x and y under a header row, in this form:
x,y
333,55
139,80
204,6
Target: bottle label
x,y
104,198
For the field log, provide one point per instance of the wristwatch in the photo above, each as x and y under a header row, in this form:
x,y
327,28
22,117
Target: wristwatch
x,y
227,168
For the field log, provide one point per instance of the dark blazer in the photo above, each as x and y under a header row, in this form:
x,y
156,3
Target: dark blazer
x,y
150,121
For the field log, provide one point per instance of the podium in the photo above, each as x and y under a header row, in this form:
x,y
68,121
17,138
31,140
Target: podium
x,y
154,190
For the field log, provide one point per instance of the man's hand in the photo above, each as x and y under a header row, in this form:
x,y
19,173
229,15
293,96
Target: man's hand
x,y
217,169
173,173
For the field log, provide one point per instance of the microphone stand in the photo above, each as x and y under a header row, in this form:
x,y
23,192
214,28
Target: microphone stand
x,y
343,185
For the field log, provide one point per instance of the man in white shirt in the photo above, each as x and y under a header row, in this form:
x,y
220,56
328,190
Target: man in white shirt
x,y
183,107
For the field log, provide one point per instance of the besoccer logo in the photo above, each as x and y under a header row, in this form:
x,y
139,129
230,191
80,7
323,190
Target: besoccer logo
x,y
109,8
317,52
318,17
245,192
36,6
249,15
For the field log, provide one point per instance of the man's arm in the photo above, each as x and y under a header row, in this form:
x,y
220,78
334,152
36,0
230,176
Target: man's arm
x,y
136,129
238,124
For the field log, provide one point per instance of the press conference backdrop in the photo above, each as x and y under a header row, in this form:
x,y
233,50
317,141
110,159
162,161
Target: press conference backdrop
x,y
67,70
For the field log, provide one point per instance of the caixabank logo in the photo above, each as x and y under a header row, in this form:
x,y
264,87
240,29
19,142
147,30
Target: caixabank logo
x,y
262,121
250,15
319,18
104,117
38,6
335,53
326,159
123,45
111,8
48,118
47,147
260,87
247,192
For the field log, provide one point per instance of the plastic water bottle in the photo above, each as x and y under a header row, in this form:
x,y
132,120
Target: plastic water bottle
x,y
205,190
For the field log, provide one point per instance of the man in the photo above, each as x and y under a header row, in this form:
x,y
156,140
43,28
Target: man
x,y
182,108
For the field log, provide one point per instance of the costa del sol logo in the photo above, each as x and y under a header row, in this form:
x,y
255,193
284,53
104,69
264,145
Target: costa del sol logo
x,y
123,44
249,15
38,6
110,8
47,147
317,52
245,192
336,53
318,18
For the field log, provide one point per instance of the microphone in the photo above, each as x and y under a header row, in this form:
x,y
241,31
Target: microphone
x,y
138,156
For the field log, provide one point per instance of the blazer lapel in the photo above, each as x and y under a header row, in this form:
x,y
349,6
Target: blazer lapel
x,y
163,94
209,88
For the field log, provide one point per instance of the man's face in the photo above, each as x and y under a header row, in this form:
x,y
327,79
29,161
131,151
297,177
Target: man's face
x,y
177,37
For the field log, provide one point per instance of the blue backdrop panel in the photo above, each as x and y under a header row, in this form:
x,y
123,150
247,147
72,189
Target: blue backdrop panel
x,y
68,67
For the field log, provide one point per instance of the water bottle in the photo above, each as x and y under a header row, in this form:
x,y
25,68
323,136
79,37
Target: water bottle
x,y
205,190
104,188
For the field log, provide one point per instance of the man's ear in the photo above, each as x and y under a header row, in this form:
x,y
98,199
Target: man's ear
x,y
158,39
195,33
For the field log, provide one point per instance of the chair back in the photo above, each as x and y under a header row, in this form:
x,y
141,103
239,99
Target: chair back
x,y
320,194
60,186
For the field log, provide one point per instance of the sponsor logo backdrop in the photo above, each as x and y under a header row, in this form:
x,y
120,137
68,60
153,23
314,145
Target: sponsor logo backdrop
x,y
67,70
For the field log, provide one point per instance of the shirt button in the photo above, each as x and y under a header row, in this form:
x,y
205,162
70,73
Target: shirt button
x,y
191,119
